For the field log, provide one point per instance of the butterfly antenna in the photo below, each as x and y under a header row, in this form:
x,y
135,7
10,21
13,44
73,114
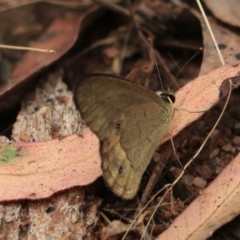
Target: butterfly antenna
x,y
155,61
188,61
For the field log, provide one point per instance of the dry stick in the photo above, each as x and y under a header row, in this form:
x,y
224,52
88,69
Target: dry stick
x,y
6,129
147,21
155,175
124,49
161,164
140,34
136,19
105,217
142,210
210,31
105,42
26,48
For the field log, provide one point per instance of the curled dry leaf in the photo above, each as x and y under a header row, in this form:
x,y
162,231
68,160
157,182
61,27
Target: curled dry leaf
x,y
63,34
60,42
218,204
225,10
228,42
39,169
60,36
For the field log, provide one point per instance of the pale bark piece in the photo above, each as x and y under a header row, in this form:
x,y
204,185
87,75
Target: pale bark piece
x,y
225,10
66,215
217,205
47,113
39,169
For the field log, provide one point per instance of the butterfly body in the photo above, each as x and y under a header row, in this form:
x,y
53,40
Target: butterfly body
x,y
129,120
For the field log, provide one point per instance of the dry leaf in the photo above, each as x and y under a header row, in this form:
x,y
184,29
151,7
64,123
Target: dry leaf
x,y
200,95
60,36
39,169
228,43
225,10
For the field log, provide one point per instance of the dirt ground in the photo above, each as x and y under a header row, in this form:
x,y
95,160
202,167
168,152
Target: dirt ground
x,y
36,95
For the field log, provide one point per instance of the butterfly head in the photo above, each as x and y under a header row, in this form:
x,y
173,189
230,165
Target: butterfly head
x,y
168,95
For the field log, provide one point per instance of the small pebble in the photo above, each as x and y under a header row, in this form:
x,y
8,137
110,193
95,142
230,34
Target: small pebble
x,y
4,139
214,134
176,171
205,170
238,149
227,148
199,182
187,179
23,137
233,150
236,140
214,153
237,128
180,203
111,52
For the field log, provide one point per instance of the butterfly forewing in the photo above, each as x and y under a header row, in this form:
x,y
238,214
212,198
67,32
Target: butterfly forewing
x,y
129,120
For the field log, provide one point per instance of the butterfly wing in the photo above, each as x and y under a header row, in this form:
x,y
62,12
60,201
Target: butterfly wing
x,y
129,120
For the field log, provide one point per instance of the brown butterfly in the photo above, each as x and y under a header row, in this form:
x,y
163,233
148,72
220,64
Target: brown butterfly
x,y
130,120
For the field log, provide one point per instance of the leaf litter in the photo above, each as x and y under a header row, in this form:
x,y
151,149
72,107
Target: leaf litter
x,y
186,148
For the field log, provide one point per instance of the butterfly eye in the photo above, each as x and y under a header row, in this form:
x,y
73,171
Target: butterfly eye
x,y
118,126
168,96
172,97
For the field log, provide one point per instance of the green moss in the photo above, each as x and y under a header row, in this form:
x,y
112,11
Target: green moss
x,y
8,155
